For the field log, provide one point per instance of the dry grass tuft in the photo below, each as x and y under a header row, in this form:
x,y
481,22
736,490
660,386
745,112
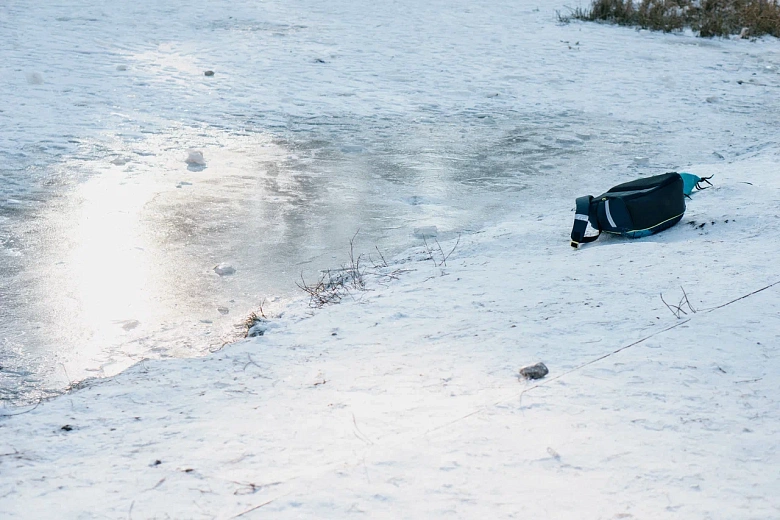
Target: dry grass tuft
x,y
334,285
748,18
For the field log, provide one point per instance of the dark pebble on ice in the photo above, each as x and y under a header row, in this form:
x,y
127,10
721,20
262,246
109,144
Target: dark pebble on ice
x,y
67,428
536,371
209,73
156,463
188,470
319,60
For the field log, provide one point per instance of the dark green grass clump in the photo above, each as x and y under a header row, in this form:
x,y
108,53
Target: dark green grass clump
x,y
748,18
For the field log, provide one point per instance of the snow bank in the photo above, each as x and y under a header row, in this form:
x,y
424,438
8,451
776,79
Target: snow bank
x,y
406,402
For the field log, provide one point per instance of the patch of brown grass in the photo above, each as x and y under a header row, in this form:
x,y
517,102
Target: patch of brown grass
x,y
751,18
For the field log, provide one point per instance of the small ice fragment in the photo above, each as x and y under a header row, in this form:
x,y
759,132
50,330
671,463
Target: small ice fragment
x,y
223,310
258,329
317,378
121,68
119,161
426,232
536,371
224,269
34,78
711,99
641,161
195,157
130,324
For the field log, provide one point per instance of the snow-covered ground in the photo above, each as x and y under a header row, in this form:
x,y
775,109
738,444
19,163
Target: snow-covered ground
x,y
320,119
403,400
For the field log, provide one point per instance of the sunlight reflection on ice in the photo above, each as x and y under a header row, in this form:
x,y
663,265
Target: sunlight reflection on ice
x,y
120,258
109,270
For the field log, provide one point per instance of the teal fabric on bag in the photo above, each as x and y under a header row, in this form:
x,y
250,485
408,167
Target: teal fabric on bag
x,y
689,182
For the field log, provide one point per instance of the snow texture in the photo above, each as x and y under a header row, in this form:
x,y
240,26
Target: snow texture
x,y
404,401
321,119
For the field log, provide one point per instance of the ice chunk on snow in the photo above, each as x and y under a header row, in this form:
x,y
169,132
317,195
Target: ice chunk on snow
x,y
195,157
224,269
260,327
130,324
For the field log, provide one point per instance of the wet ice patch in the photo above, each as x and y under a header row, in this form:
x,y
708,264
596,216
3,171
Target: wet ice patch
x,y
34,78
426,232
568,141
168,58
416,200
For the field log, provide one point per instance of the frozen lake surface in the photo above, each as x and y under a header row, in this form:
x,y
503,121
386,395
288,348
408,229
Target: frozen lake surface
x,y
321,119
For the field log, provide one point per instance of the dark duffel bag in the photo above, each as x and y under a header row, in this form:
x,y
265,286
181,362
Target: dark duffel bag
x,y
635,209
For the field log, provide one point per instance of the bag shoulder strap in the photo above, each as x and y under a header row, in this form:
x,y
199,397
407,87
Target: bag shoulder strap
x,y
581,223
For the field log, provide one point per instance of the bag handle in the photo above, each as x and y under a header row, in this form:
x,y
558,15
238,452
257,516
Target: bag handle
x,y
581,223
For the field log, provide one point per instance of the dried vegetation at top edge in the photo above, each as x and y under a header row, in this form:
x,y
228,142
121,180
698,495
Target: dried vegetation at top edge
x,y
747,18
